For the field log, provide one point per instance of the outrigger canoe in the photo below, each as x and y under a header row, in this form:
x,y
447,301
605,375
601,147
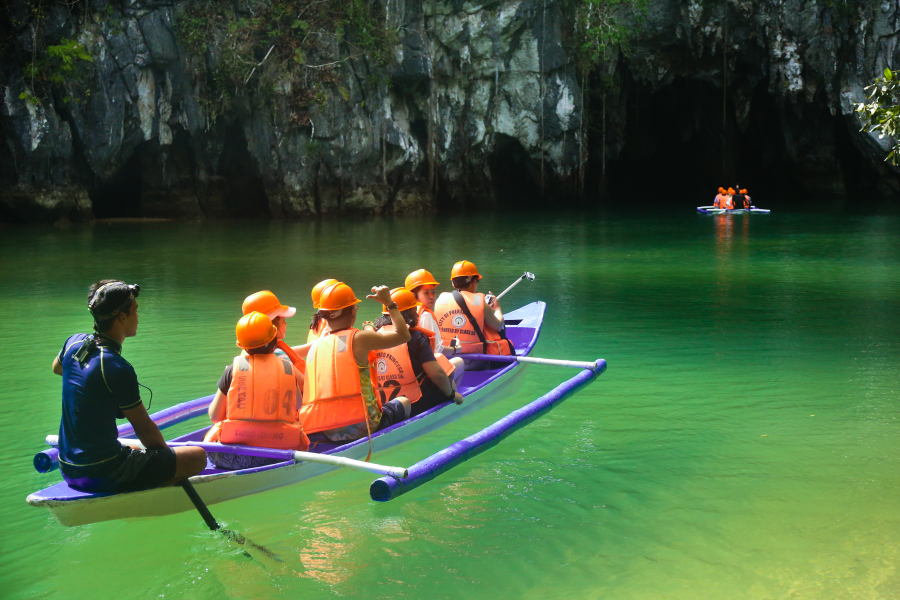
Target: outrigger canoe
x,y
712,210
74,507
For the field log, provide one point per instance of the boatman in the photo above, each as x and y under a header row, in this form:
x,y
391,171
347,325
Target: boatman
x,y
317,326
338,399
256,403
737,199
411,369
422,284
462,318
98,387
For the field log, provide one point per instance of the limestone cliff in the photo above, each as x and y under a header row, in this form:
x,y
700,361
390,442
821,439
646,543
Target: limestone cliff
x,y
468,104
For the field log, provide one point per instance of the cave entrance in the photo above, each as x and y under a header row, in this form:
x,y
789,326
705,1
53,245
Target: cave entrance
x,y
677,151
120,197
514,182
245,193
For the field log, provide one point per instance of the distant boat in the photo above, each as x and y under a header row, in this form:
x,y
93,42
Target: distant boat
x,y
712,210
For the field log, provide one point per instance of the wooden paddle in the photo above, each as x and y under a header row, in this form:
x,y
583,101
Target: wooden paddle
x,y
237,538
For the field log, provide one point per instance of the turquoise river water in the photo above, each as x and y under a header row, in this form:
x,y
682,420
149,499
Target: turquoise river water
x,y
743,444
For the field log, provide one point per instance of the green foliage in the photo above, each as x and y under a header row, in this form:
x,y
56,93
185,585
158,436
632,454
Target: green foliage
x,y
596,29
65,65
276,45
313,149
881,112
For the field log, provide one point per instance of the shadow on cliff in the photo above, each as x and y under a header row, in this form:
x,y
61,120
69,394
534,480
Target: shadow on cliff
x,y
166,181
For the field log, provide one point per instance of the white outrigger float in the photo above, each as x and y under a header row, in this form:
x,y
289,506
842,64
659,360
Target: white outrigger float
x,y
74,507
712,210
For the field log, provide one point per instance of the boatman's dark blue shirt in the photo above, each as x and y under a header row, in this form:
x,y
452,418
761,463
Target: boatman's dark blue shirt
x,y
91,395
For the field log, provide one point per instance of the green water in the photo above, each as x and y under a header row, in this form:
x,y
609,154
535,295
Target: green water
x,y
743,443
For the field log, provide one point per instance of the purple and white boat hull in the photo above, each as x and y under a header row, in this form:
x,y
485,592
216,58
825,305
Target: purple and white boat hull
x,y
74,507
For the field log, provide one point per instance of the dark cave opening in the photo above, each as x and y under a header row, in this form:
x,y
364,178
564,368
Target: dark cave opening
x,y
512,178
677,152
120,197
244,193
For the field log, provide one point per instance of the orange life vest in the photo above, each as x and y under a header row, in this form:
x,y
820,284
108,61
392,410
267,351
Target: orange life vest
x,y
261,407
453,322
392,372
728,203
719,202
333,395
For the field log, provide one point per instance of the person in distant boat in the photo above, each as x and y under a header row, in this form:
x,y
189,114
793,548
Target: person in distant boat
x,y
257,397
338,400
99,386
729,199
318,324
461,315
719,202
422,284
746,199
738,199
411,369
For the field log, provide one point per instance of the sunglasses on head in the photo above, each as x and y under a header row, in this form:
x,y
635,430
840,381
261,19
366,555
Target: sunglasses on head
x,y
133,292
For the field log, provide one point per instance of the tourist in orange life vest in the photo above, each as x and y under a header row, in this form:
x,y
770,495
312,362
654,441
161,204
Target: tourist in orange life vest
x,y
411,369
729,201
461,315
422,284
257,398
746,199
719,202
338,400
318,324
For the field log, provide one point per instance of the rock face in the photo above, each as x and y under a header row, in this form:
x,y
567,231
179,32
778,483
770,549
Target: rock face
x,y
476,104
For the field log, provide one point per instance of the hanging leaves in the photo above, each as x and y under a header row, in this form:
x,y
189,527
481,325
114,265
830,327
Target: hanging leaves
x,y
881,112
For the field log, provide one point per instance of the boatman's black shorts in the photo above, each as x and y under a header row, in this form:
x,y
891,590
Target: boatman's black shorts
x,y
132,470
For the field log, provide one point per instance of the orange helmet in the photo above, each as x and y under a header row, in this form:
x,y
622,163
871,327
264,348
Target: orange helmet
x,y
743,191
337,296
464,269
404,299
417,278
254,330
267,303
731,191
317,291
721,190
